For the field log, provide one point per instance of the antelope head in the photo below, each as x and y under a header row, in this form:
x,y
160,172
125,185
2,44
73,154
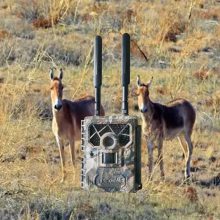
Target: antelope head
x,y
143,95
56,90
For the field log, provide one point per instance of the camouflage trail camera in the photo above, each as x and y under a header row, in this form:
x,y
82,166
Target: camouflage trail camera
x,y
111,144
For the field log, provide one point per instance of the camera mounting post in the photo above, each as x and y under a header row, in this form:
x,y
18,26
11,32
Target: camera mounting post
x,y
111,145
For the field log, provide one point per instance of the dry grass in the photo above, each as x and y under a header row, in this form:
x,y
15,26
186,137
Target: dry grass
x,y
4,34
182,56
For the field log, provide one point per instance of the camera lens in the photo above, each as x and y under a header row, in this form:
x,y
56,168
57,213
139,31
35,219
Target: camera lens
x,y
109,140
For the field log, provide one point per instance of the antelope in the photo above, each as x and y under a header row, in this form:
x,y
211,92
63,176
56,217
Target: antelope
x,y
67,116
164,122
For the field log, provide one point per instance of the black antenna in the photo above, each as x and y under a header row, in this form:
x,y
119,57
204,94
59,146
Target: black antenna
x,y
97,73
125,71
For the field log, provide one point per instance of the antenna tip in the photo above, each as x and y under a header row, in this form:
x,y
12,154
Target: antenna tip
x,y
126,34
98,37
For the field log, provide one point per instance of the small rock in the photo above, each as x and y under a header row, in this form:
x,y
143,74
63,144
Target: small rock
x,y
206,49
22,154
163,64
104,208
56,159
8,159
210,194
81,216
212,159
175,49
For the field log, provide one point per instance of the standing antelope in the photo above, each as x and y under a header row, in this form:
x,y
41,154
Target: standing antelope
x,y
67,116
162,122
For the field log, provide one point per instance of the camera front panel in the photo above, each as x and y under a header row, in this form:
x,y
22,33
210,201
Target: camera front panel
x,y
111,148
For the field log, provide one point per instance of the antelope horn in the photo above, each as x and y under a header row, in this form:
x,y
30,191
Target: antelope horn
x,y
138,81
150,81
61,74
51,73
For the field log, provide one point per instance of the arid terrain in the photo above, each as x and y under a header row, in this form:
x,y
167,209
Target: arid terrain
x,y
175,41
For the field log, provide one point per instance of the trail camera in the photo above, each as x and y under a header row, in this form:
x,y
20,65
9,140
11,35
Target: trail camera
x,y
111,144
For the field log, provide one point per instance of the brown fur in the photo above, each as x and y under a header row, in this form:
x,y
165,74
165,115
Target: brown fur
x,y
66,124
161,122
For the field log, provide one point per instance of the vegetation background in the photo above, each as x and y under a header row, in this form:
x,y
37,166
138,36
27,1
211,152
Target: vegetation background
x,y
181,43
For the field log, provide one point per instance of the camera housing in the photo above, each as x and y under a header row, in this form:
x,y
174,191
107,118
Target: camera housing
x,y
111,145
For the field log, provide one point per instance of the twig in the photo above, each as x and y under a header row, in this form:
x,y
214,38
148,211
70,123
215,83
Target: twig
x,y
88,60
141,51
75,12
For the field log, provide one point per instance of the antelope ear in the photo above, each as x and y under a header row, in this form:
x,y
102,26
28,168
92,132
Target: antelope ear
x,y
134,91
51,73
150,81
138,81
61,74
